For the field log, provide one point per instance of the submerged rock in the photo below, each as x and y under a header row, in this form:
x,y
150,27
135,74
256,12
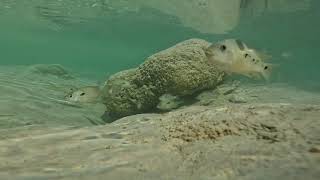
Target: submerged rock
x,y
237,99
180,70
236,142
123,97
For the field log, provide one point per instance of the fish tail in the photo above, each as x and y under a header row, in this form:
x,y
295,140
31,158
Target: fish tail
x,y
208,51
263,55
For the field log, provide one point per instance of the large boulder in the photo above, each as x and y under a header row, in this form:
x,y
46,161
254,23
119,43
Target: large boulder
x,y
180,70
123,97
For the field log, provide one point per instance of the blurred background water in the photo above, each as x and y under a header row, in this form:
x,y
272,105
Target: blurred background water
x,y
100,37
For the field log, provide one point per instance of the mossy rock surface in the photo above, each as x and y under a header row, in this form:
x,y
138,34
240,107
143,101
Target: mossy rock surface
x,y
123,97
180,70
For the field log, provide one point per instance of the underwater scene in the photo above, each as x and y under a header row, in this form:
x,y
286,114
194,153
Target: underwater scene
x,y
159,89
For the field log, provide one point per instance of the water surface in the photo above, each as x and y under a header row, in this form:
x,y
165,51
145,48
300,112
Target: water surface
x,y
101,37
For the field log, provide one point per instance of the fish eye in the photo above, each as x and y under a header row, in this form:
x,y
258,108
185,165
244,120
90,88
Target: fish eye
x,y
246,55
266,67
223,47
82,94
70,95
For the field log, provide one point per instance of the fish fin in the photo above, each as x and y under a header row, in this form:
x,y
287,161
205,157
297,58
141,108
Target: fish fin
x,y
255,76
263,55
220,66
229,73
208,51
211,61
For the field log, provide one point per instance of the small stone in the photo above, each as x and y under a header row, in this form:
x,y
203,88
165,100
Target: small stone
x,y
90,138
50,170
109,147
315,149
237,99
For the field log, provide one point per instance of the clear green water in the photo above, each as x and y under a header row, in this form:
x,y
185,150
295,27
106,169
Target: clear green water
x,y
99,37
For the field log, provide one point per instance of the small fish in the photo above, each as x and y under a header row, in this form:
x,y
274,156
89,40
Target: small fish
x,y
233,56
88,94
286,55
169,102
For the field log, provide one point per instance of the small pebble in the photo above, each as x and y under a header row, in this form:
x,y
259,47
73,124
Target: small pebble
x,y
112,136
237,99
90,137
315,149
50,170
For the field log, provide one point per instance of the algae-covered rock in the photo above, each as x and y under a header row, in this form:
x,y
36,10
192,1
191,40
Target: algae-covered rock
x,y
123,97
180,70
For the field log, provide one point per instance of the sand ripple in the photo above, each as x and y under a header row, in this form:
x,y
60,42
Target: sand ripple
x,y
28,98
